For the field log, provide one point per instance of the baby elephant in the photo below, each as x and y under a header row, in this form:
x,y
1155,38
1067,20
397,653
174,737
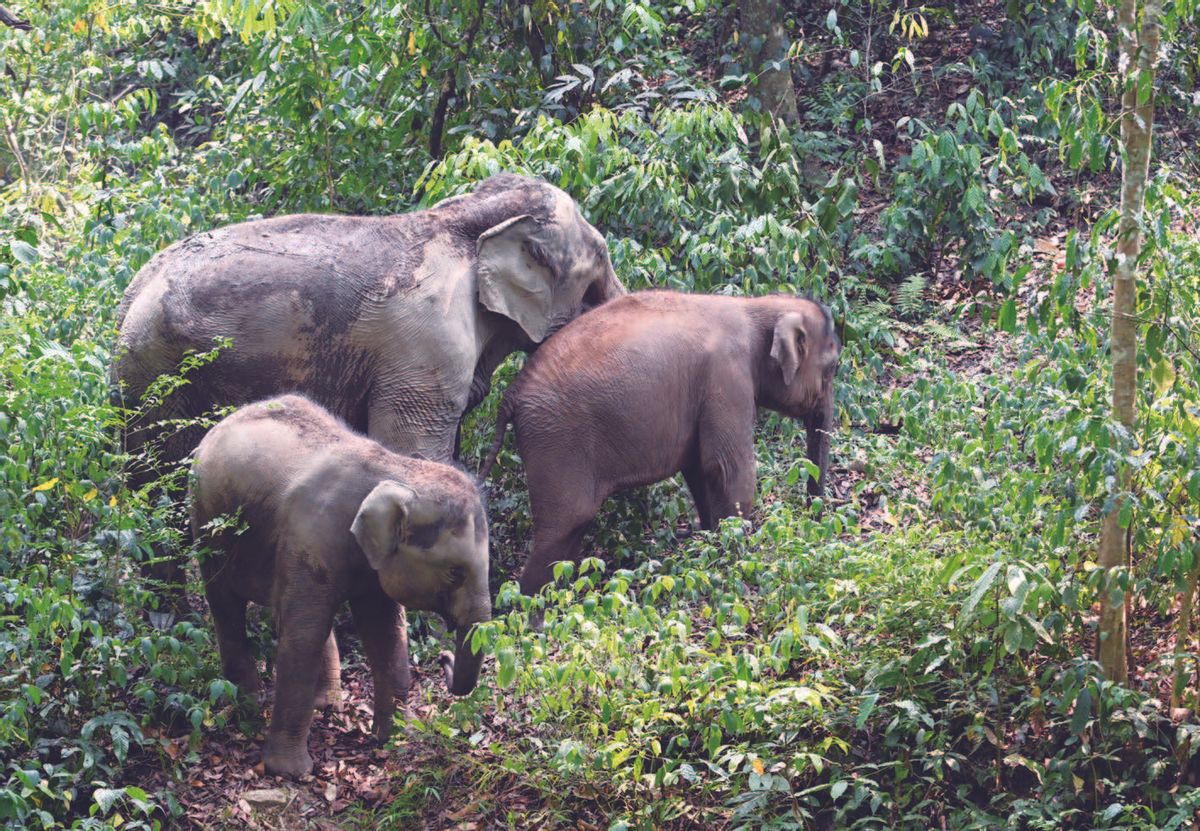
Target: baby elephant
x,y
655,383
331,516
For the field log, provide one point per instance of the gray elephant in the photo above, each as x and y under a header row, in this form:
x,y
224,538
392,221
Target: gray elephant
x,y
657,383
394,324
309,515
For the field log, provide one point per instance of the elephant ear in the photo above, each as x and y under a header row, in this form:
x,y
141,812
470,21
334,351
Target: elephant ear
x,y
381,523
514,277
787,346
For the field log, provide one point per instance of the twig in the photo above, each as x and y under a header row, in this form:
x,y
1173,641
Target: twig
x,y
11,139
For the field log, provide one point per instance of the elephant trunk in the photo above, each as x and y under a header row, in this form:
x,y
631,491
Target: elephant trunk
x,y
463,674
819,426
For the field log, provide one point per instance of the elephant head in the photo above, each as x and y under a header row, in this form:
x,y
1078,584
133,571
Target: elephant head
x,y
431,553
544,264
804,359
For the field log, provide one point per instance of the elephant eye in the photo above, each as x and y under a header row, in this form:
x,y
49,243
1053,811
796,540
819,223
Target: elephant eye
x,y
457,575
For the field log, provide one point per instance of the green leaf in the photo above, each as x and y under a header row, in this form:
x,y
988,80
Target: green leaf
x,y
106,798
1083,711
1007,319
982,585
864,711
1012,637
506,667
24,252
1163,375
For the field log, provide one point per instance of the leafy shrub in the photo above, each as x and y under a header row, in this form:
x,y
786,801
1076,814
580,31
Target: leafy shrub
x,y
950,195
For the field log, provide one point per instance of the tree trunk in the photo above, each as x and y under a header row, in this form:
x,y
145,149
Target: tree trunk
x,y
766,44
1139,53
535,42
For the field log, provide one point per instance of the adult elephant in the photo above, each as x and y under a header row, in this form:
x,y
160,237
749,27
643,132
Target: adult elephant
x,y
395,324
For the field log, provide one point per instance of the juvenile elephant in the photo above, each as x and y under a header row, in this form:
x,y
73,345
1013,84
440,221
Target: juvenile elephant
x,y
656,383
393,324
330,516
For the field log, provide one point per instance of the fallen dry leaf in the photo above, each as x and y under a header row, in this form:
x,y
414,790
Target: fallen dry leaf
x,y
465,811
267,798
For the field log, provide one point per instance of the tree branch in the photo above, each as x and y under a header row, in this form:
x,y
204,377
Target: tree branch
x,y
450,81
10,19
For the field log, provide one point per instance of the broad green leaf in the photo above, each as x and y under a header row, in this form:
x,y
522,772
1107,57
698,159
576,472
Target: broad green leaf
x,y
982,585
1083,711
24,252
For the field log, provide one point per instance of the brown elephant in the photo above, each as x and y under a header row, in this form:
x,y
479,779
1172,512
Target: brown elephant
x,y
330,516
656,383
393,324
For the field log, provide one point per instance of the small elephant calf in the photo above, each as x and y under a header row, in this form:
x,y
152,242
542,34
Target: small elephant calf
x,y
331,516
655,383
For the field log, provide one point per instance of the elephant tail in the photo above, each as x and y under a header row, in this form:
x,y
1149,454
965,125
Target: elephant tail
x,y
504,417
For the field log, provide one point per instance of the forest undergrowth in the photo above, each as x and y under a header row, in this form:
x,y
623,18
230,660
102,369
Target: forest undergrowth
x,y
914,650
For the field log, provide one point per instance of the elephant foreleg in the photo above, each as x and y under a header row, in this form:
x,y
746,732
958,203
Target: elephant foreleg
x,y
729,496
401,669
414,428
727,464
404,427
818,427
375,620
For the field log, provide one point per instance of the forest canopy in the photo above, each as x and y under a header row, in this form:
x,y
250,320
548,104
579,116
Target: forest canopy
x,y
1006,250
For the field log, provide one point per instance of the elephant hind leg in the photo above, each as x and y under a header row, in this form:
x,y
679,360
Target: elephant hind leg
x,y
329,686
694,477
304,619
237,657
552,544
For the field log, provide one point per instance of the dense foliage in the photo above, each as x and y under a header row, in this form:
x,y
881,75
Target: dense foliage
x,y
912,651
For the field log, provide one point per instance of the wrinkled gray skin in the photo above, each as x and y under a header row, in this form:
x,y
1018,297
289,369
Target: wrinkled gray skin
x,y
658,383
331,516
394,324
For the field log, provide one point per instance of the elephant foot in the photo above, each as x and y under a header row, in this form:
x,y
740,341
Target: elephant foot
x,y
402,682
293,762
329,697
244,675
381,726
